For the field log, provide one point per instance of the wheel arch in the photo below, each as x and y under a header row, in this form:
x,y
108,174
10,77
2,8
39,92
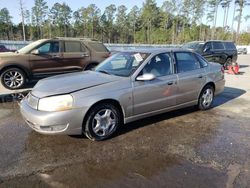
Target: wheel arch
x,y
27,73
109,101
210,84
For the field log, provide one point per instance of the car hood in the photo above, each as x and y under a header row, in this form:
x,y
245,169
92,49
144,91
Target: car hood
x,y
68,83
8,54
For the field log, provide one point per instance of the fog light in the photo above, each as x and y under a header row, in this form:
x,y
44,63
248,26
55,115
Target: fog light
x,y
54,128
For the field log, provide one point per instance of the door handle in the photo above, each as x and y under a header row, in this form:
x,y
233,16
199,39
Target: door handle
x,y
200,76
85,55
170,83
56,56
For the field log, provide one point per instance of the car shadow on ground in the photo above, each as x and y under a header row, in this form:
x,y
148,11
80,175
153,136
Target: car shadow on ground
x,y
243,66
228,95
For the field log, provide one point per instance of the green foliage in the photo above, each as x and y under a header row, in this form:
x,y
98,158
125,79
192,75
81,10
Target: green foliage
x,y
176,21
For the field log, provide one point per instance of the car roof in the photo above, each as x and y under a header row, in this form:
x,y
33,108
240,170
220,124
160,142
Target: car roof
x,y
157,50
75,38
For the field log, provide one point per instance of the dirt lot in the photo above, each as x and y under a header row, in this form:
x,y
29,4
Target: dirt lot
x,y
185,148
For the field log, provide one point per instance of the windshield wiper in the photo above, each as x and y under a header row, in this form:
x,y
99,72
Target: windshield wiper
x,y
103,71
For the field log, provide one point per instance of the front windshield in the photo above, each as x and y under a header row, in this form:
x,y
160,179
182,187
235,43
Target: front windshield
x,y
122,64
193,45
29,47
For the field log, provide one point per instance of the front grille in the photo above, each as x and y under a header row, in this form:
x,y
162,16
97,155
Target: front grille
x,y
32,101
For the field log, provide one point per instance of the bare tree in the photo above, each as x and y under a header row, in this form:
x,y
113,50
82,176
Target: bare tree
x,y
22,13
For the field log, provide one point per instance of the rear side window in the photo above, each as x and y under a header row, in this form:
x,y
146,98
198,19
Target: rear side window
x,y
218,46
186,61
98,47
230,45
73,46
202,61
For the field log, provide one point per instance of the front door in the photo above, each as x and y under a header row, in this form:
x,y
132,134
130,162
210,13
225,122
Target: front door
x,y
159,93
47,59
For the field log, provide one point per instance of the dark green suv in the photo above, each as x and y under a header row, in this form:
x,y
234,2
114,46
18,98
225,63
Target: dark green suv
x,y
223,52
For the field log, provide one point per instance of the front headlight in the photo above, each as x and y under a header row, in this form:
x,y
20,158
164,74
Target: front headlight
x,y
56,103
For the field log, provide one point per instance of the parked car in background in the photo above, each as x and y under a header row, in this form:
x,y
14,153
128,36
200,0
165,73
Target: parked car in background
x,y
223,52
242,50
48,57
126,87
4,49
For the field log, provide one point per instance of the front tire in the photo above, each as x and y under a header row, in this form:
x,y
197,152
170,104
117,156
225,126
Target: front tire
x,y
13,78
102,121
206,98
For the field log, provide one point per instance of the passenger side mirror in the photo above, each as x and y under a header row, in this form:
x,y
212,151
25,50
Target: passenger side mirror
x,y
206,49
35,52
146,77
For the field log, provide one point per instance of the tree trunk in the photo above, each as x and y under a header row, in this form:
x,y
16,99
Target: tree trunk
x,y
239,19
215,20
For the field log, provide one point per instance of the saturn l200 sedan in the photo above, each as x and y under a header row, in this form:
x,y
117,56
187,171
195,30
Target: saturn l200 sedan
x,y
126,87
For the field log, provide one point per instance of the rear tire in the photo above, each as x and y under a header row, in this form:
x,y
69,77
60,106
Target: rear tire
x,y
13,78
206,98
227,63
102,121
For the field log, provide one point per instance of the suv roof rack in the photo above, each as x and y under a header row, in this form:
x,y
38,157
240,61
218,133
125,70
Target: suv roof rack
x,y
76,38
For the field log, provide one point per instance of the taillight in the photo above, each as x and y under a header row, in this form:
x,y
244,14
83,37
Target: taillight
x,y
107,55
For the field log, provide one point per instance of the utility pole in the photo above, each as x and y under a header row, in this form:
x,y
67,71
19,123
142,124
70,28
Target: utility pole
x,y
22,17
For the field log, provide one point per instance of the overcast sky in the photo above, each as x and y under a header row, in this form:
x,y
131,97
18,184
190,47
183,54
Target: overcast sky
x,y
13,7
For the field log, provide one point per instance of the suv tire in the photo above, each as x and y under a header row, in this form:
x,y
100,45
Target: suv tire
x,y
13,78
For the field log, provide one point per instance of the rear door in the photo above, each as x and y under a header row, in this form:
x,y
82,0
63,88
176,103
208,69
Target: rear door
x,y
191,77
159,93
75,56
47,59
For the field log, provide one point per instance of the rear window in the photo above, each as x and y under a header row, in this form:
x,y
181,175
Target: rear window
x,y
98,47
186,62
229,45
218,46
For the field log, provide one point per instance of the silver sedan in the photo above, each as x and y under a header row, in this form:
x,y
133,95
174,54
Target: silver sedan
x,y
126,87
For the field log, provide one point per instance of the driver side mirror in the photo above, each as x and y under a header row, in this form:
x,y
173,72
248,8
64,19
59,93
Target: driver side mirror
x,y
146,77
35,52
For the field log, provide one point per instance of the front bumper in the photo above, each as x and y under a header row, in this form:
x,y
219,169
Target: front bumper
x,y
65,122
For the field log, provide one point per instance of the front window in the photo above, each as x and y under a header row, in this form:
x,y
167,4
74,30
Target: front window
x,y
49,47
218,46
159,65
122,64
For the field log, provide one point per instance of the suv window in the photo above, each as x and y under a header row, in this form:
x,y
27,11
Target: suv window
x,y
218,46
49,47
230,45
208,46
98,47
73,46
159,65
186,62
